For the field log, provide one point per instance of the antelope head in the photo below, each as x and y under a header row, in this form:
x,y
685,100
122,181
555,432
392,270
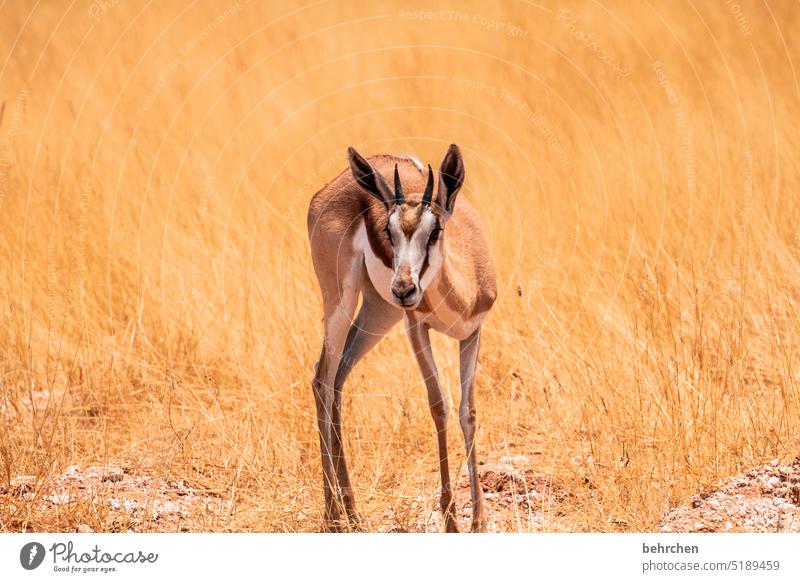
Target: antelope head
x,y
415,222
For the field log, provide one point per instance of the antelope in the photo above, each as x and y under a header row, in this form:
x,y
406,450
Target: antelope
x,y
410,256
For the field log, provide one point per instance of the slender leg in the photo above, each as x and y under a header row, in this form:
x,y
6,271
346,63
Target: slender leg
x,y
337,322
421,344
466,412
375,319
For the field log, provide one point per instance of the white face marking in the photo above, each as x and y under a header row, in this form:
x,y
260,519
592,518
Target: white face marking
x,y
410,254
434,265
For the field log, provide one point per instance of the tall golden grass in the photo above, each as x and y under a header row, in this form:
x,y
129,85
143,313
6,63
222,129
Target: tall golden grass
x,y
636,165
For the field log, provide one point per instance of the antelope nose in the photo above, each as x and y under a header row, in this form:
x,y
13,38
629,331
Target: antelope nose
x,y
403,289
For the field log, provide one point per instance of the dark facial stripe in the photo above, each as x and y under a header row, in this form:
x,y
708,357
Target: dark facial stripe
x,y
428,251
375,221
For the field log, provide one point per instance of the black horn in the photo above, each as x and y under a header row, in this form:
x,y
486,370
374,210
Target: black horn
x,y
399,198
426,197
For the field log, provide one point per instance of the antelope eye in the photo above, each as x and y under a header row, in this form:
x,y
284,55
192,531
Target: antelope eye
x,y
435,233
389,234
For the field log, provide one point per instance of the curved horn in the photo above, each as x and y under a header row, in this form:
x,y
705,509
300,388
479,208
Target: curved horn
x,y
399,198
426,197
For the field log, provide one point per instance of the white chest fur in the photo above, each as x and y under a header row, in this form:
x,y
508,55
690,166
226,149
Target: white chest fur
x,y
442,318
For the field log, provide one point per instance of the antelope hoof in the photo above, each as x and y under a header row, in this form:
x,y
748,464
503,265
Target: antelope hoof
x,y
335,526
479,526
479,521
334,522
355,523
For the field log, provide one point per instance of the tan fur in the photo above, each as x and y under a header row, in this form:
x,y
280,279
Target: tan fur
x,y
410,214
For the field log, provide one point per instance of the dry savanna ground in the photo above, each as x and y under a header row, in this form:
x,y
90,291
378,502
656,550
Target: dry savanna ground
x,y
636,165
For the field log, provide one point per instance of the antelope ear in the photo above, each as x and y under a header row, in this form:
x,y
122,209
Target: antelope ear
x,y
451,177
369,178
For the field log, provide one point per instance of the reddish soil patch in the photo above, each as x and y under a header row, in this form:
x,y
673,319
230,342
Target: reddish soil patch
x,y
517,499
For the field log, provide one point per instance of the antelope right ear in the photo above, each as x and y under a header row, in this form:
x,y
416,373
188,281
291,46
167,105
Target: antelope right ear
x,y
451,178
369,178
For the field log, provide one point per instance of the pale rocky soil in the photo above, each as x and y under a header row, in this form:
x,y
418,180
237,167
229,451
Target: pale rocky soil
x,y
121,499
765,499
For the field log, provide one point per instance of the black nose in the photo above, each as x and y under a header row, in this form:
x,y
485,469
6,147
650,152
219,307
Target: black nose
x,y
403,290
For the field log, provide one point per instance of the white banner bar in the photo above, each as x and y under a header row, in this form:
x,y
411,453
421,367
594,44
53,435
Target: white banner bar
x,y
404,557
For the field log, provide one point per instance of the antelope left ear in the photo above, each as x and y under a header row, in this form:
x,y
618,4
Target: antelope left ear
x,y
451,177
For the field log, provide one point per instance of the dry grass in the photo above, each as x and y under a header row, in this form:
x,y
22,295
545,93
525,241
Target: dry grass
x,y
158,304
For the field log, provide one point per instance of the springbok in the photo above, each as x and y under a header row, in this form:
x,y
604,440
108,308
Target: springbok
x,y
409,254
